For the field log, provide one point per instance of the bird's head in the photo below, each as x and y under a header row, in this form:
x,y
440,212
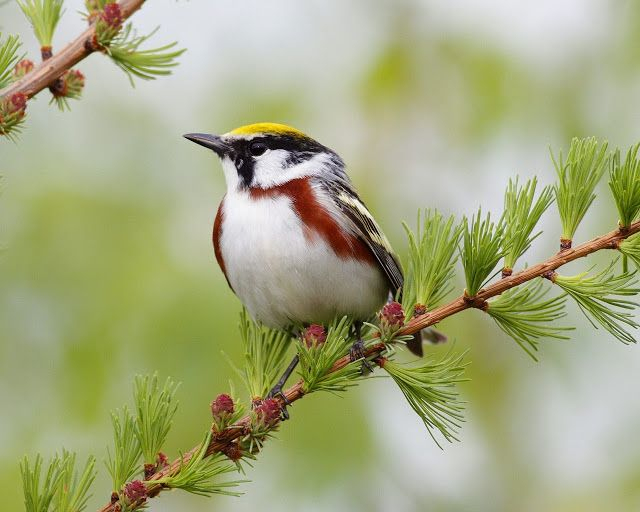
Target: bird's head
x,y
265,155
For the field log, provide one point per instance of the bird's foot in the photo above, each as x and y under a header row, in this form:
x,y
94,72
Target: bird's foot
x,y
276,392
356,352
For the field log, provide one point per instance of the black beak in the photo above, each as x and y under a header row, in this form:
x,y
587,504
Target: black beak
x,y
213,142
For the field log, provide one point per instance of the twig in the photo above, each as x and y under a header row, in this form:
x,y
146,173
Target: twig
x,y
50,70
223,439
609,241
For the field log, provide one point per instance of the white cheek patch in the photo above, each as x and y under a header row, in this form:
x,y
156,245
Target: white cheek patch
x,y
269,170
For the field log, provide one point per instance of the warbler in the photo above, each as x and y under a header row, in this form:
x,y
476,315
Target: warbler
x,y
293,239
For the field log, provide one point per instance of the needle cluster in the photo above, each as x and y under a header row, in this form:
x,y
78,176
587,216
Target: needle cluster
x,y
482,248
430,388
147,64
578,174
602,297
431,260
526,316
60,487
265,351
44,16
624,181
522,212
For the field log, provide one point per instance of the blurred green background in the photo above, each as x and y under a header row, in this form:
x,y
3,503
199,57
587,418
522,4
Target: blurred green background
x,y
107,268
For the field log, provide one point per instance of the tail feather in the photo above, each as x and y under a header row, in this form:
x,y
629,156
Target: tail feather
x,y
432,335
415,344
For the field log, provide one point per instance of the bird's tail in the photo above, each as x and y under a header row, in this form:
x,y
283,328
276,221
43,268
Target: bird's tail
x,y
429,334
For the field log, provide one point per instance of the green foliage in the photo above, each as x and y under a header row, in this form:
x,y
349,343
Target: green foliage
x,y
145,64
38,495
521,217
43,16
432,257
197,474
630,248
482,248
155,407
578,176
624,181
73,489
525,316
600,297
317,360
124,463
61,488
8,58
429,387
264,356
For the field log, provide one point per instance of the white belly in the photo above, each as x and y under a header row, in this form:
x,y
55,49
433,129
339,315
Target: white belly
x,y
284,278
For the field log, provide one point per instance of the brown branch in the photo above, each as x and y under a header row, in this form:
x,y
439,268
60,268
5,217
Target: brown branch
x,y
50,70
221,440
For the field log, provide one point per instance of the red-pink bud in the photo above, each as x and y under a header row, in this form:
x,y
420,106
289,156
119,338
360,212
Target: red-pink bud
x,y
314,335
112,15
392,314
268,412
135,491
162,461
222,406
17,103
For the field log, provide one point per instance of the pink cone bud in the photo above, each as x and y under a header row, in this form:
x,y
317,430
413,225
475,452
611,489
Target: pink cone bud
x,y
162,461
268,412
314,335
17,103
392,314
222,406
135,491
112,15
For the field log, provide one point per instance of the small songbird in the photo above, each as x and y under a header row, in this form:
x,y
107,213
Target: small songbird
x,y
293,239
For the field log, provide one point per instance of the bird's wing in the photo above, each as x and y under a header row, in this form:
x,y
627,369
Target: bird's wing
x,y
364,226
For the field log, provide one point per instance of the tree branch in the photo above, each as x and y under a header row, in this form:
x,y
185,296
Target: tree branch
x,y
220,441
48,71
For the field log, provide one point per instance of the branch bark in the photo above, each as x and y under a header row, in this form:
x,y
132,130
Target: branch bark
x,y
223,439
50,70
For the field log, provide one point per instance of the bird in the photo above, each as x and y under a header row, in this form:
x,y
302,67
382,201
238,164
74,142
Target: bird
x,y
292,237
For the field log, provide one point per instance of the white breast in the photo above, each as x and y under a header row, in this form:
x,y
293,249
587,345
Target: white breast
x,y
283,277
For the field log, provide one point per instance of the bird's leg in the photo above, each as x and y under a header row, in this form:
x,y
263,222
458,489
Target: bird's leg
x,y
276,391
357,349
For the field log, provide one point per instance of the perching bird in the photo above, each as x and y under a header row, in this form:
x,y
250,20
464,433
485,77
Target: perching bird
x,y
291,235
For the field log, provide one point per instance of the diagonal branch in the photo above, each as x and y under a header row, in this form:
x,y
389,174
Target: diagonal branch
x,y
48,71
221,440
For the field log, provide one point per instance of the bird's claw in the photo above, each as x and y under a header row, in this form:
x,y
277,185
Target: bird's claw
x,y
356,352
276,392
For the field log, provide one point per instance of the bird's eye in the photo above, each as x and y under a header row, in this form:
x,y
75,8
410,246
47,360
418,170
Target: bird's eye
x,y
257,148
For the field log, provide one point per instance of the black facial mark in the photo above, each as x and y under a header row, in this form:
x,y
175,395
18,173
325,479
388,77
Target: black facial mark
x,y
245,170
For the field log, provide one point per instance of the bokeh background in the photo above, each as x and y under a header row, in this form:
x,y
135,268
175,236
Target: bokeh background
x,y
107,268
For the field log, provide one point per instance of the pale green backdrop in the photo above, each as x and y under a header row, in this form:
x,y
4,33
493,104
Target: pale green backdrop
x,y
107,268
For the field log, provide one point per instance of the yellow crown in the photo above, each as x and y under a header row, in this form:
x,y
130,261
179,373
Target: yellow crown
x,y
267,128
